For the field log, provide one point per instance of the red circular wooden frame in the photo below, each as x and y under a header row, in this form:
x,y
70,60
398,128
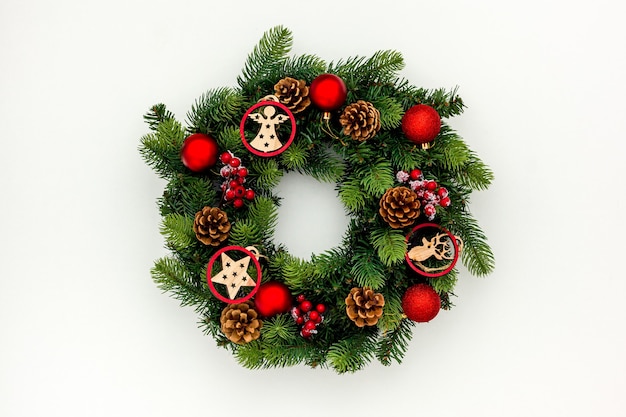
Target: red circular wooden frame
x,y
210,267
242,132
454,243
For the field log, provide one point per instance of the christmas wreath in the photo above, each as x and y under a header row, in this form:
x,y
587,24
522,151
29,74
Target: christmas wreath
x,y
403,175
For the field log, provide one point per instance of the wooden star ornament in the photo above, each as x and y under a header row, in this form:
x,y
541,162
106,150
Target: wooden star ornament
x,y
234,273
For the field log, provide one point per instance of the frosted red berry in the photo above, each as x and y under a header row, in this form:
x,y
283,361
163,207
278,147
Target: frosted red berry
x,y
226,157
415,174
306,306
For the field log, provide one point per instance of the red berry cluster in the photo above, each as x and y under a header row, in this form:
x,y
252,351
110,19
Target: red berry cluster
x,y
308,317
234,175
429,192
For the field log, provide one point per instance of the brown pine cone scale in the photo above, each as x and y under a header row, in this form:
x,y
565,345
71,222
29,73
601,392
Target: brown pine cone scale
x,y
240,323
360,120
293,93
364,307
211,226
399,207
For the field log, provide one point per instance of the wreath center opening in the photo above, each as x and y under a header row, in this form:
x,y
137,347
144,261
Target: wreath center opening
x,y
312,219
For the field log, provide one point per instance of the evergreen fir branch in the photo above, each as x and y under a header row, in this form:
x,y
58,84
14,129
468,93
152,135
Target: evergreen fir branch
x,y
391,112
352,195
229,139
156,115
187,195
367,270
281,356
268,54
278,329
305,67
264,213
250,355
352,354
178,230
323,166
475,174
214,109
161,150
171,276
447,103
476,255
245,232
395,343
295,156
347,68
331,264
377,178
382,67
299,275
445,283
359,154
267,173
390,245
392,311
452,151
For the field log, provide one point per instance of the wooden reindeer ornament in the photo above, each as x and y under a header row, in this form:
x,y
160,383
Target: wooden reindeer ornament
x,y
442,246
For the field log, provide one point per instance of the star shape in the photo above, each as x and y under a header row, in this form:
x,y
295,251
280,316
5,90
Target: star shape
x,y
234,275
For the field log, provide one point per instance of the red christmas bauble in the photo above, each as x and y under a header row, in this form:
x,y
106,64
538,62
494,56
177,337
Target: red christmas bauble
x,y
421,303
272,298
199,152
328,92
421,124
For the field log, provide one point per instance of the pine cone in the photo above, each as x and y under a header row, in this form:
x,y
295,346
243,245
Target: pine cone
x,y
293,93
211,226
240,323
364,306
399,207
361,120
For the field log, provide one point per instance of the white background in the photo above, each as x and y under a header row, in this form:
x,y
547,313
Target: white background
x,y
85,332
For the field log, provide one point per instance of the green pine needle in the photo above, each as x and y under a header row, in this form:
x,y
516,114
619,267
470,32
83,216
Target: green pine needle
x,y
171,276
395,343
351,355
178,231
367,269
269,54
377,178
390,245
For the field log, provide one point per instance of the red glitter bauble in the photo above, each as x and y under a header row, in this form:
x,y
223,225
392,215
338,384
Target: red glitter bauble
x,y
328,92
421,303
421,123
199,152
272,298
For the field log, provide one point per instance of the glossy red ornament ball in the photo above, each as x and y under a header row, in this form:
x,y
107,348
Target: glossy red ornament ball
x,y
199,152
421,124
421,303
272,298
328,92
